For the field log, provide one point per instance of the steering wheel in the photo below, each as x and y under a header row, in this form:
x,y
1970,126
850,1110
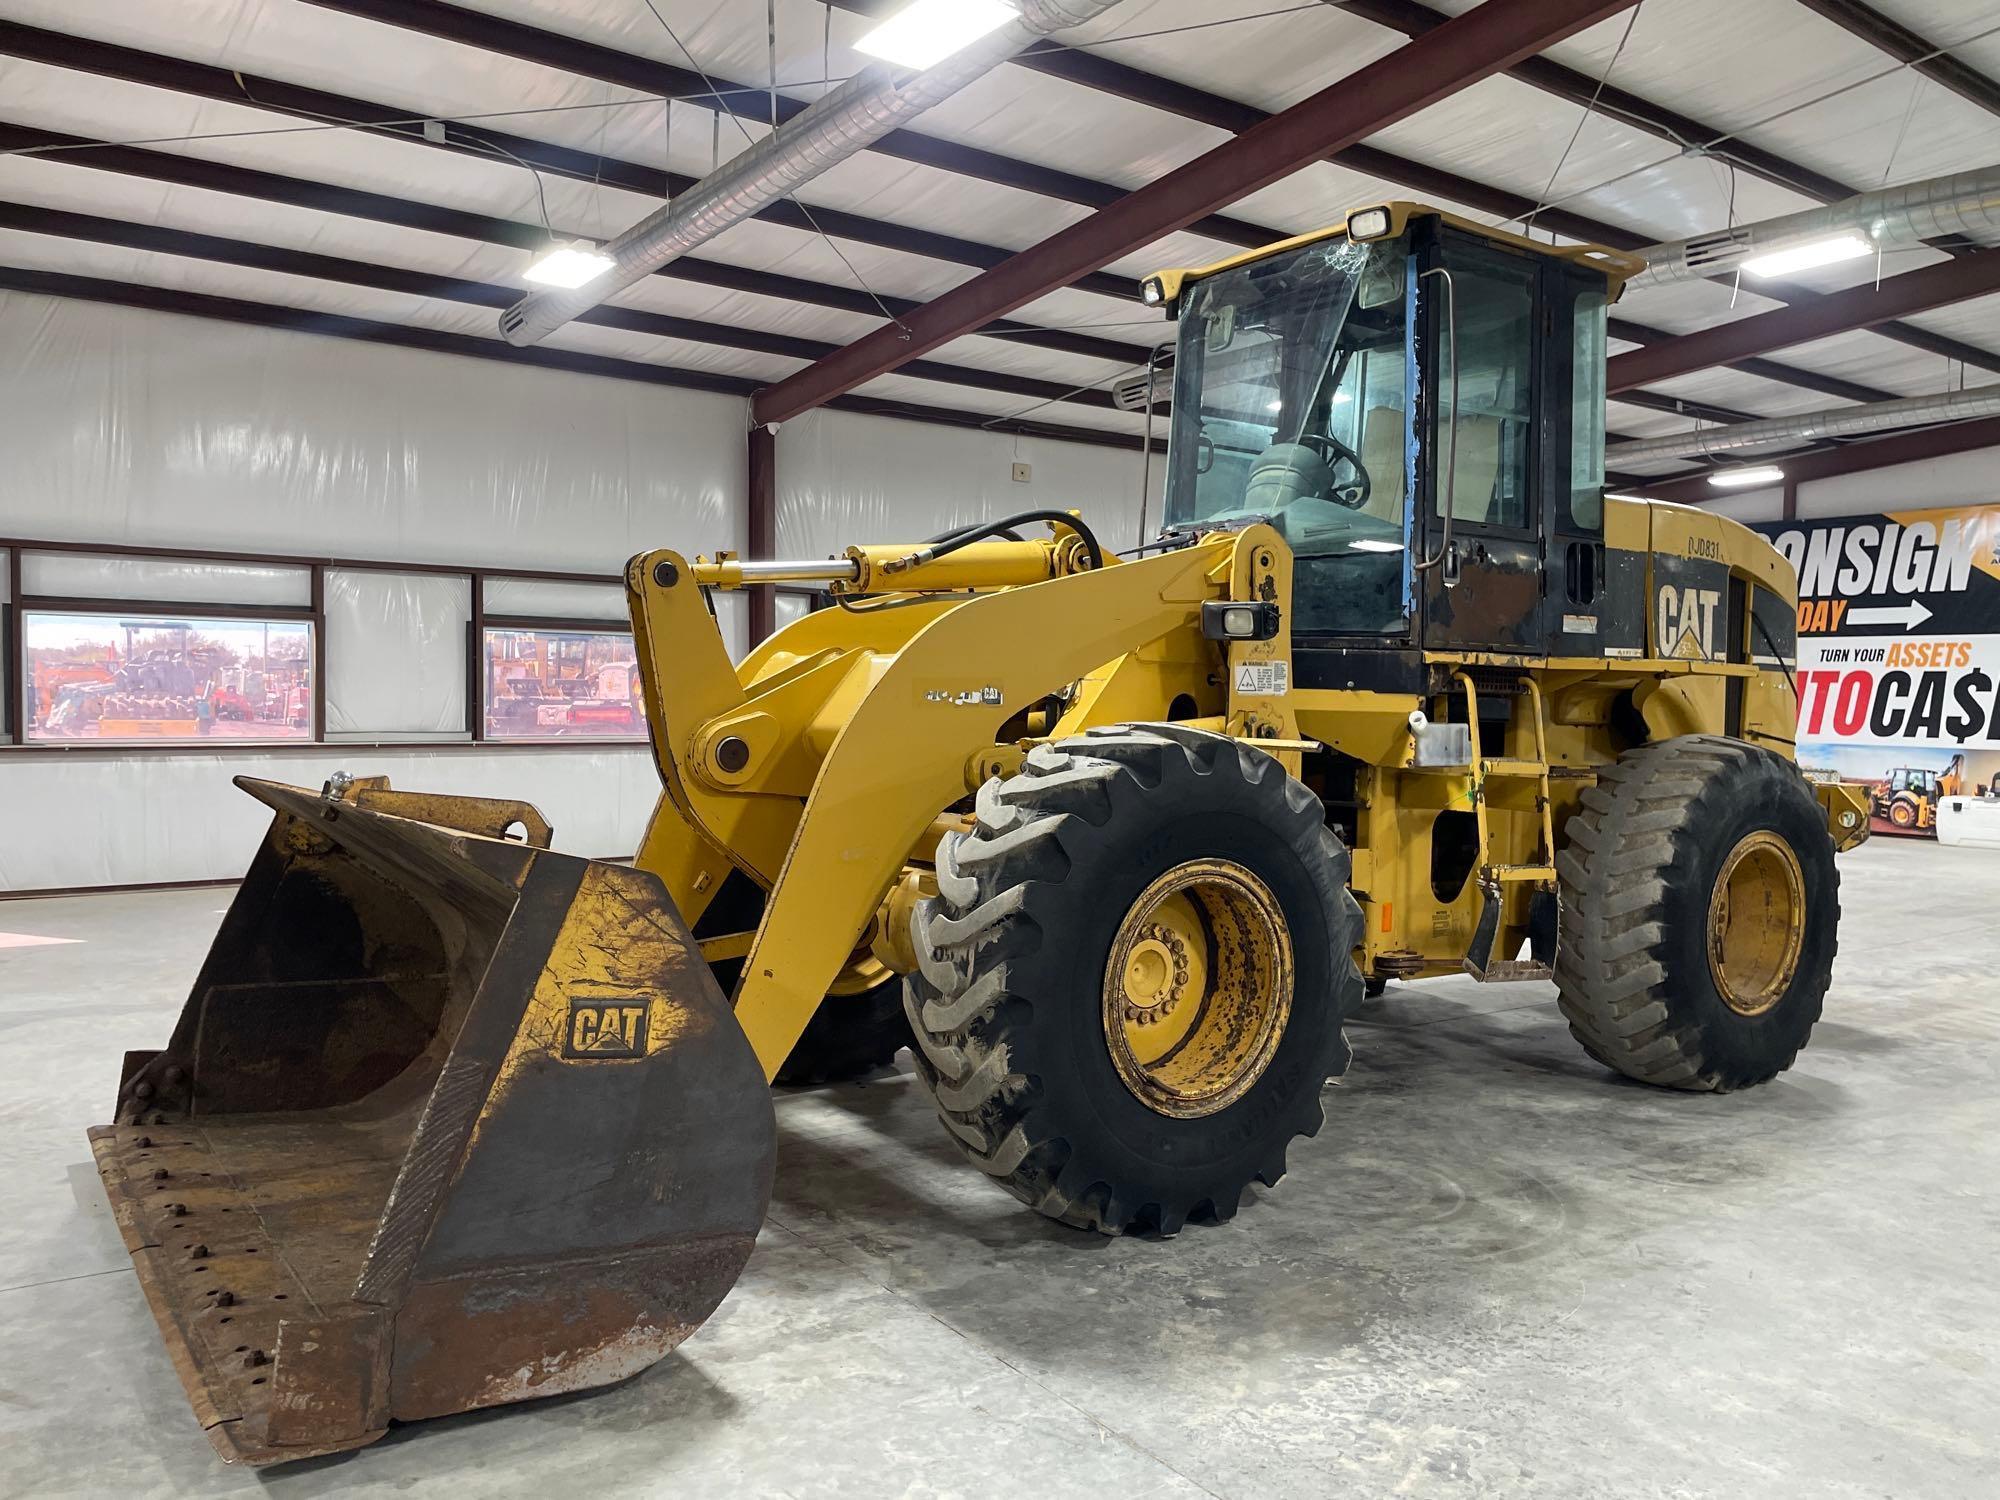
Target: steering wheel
x,y
1354,494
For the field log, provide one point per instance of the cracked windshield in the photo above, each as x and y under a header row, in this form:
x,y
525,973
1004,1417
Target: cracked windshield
x,y
1291,378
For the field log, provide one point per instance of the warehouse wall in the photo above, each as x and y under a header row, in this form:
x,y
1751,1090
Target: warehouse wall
x,y
152,429
844,478
149,429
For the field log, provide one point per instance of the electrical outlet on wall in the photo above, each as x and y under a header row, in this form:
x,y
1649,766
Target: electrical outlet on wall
x,y
1024,473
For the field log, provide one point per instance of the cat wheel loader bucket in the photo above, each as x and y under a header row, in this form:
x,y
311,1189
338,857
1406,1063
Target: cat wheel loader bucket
x,y
449,1120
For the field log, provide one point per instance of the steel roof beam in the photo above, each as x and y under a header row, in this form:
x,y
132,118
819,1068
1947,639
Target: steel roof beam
x,y
1415,20
199,80
1907,46
368,330
1644,334
1087,69
1849,458
1837,312
1105,75
1472,47
247,182
646,75
220,250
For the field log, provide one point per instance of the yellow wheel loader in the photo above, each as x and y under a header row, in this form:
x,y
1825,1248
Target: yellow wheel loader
x,y
1117,841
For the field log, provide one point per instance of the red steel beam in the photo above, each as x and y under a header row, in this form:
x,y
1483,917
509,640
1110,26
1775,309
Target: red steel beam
x,y
761,521
1848,458
1838,312
1476,45
1908,46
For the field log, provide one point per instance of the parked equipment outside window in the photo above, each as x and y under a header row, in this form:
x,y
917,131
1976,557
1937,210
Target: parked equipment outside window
x,y
144,679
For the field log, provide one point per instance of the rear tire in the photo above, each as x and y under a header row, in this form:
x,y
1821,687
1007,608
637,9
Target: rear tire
x,y
1013,1007
1700,907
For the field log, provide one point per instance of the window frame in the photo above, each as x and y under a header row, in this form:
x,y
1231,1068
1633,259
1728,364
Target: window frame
x,y
482,625
1451,248
13,645
23,612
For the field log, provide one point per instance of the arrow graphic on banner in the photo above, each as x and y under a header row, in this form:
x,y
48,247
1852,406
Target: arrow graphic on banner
x,y
1906,615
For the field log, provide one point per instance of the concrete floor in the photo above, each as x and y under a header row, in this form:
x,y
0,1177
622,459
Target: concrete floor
x,y
1497,1271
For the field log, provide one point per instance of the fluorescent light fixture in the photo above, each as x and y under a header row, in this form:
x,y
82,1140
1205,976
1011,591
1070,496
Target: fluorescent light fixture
x,y
572,265
1804,257
1373,544
926,32
1743,479
1275,406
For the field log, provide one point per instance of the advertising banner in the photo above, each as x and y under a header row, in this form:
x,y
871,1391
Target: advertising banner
x,y
1899,654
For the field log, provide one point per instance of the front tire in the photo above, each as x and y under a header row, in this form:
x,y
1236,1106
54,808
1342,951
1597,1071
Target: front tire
x,y
1134,976
1699,915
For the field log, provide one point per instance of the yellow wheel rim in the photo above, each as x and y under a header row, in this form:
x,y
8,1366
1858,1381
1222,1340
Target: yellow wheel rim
x,y
1756,923
1198,988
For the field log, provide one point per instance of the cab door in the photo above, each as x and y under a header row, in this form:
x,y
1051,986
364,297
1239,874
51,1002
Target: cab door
x,y
1483,568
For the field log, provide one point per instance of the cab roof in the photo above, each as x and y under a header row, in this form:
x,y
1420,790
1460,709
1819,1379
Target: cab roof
x,y
1616,266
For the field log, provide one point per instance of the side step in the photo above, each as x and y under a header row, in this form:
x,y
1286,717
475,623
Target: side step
x,y
1479,960
1540,873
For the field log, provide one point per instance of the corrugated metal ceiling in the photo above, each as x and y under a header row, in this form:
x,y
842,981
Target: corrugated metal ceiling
x,y
1788,80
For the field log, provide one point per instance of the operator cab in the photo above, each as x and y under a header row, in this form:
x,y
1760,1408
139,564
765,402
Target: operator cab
x,y
1340,386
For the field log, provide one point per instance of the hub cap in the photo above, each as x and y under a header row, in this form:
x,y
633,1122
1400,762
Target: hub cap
x,y
1756,923
1198,988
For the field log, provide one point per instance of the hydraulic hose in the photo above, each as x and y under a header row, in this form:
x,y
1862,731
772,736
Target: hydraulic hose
x,y
964,536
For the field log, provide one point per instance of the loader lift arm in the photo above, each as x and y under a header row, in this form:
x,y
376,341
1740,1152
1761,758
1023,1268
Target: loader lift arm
x,y
826,827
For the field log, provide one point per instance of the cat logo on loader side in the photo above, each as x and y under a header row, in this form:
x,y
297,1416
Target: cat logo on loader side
x,y
1687,622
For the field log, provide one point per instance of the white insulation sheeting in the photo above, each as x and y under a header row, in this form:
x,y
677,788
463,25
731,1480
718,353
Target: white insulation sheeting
x,y
395,653
844,479
156,429
149,429
94,819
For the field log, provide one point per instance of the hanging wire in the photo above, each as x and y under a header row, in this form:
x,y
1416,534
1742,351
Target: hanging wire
x,y
1909,113
792,198
468,142
1104,383
393,128
1709,147
1528,224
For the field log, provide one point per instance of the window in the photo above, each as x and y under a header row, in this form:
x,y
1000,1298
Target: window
x,y
1586,416
151,679
547,683
1295,369
1493,305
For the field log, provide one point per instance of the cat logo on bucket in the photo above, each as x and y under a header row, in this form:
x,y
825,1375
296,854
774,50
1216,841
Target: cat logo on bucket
x,y
606,1028
1687,622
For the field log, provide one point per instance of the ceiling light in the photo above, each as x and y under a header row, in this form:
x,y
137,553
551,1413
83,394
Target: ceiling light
x,y
1275,406
1371,544
572,265
926,32
1814,253
1739,479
